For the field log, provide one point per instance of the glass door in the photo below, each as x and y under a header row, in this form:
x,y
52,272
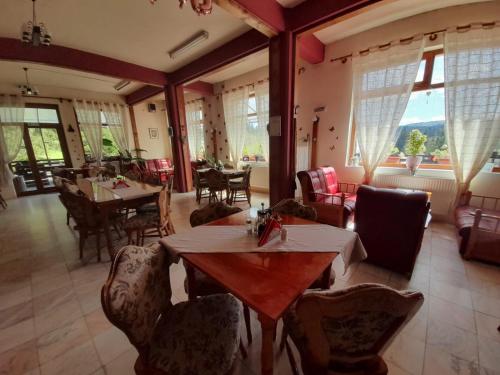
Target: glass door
x,y
43,150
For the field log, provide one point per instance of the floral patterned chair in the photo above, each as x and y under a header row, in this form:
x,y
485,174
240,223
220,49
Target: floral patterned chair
x,y
343,332
294,208
196,337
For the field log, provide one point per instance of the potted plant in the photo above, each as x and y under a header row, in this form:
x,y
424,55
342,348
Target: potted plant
x,y
441,155
394,157
414,148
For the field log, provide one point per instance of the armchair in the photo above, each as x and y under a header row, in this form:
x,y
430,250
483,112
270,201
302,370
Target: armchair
x,y
334,201
479,227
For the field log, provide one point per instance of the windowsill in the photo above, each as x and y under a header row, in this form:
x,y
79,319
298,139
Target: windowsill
x,y
255,163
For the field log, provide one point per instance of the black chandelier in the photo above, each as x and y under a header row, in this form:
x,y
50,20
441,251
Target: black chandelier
x,y
35,33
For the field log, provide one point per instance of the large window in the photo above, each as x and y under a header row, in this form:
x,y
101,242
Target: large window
x,y
109,149
425,112
253,150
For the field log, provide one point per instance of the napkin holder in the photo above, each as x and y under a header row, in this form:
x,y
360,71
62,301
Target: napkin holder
x,y
120,184
272,230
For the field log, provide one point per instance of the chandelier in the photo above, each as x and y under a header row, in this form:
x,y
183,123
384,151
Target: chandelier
x,y
35,33
202,7
27,89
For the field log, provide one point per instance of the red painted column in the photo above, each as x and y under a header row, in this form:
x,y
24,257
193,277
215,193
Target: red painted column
x,y
281,92
174,96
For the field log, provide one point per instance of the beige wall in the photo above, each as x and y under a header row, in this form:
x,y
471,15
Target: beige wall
x,y
156,148
67,114
329,84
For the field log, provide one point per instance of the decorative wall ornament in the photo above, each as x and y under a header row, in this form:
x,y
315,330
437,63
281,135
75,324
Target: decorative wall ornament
x,y
153,133
332,129
201,7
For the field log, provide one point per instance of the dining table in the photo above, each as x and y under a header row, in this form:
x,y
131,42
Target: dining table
x,y
229,173
268,282
108,199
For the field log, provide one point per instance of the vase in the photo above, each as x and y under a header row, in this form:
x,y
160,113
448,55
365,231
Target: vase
x,y
412,163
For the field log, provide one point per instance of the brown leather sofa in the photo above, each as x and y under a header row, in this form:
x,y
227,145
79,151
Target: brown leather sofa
x,y
479,227
334,201
391,226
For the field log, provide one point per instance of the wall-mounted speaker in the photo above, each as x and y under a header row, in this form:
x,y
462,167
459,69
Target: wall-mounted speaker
x,y
170,131
151,107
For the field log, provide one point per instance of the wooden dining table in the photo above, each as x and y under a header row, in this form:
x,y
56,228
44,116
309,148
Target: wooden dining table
x,y
229,173
109,200
267,282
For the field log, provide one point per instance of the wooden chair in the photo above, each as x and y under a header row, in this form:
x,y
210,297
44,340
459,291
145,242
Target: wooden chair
x,y
60,183
200,185
151,224
240,190
194,337
217,184
343,332
3,203
199,284
153,207
87,218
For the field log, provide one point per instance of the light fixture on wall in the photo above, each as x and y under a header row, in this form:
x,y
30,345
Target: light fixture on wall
x,y
120,85
35,33
188,44
202,7
28,89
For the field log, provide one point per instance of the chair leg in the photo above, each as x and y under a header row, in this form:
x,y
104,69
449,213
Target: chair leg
x,y
284,335
98,244
249,195
138,238
67,217
291,358
143,235
115,226
129,237
246,316
83,237
243,351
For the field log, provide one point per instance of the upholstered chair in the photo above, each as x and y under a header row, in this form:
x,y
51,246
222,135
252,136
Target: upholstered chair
x,y
195,337
198,283
344,332
294,208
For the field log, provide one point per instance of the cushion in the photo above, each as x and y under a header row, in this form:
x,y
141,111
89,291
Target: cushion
x,y
149,208
198,337
464,219
141,221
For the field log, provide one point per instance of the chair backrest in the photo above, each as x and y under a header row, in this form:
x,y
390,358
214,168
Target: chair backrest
x,y
109,170
294,208
216,180
80,208
151,165
391,225
163,163
137,292
212,212
246,177
320,180
352,325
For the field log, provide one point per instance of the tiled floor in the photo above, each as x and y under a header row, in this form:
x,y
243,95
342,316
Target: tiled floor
x,y
51,320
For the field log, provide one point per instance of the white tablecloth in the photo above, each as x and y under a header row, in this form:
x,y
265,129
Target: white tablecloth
x,y
318,238
125,193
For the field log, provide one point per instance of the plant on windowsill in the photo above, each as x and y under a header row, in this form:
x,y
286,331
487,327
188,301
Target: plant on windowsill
x,y
441,155
394,157
414,148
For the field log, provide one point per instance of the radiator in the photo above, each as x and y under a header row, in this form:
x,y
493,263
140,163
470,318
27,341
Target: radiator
x,y
442,189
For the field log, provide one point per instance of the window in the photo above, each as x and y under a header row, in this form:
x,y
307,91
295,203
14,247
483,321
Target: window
x,y
196,129
253,150
425,112
109,149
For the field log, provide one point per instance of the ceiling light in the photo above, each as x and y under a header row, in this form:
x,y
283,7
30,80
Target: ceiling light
x,y
194,41
27,89
35,33
120,85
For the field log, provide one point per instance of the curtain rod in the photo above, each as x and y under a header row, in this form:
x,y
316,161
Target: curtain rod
x,y
259,82
431,34
61,99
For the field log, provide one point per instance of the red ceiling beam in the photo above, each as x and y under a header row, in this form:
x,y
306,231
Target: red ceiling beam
x,y
311,49
312,13
145,92
241,46
64,57
200,87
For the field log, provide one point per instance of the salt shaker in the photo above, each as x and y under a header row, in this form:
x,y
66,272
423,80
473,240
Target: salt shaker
x,y
284,234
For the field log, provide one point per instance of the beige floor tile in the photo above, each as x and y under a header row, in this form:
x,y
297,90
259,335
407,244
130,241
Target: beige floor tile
x,y
487,326
16,297
453,340
49,284
16,314
395,369
56,313
89,296
17,334
123,364
80,360
19,360
97,322
59,341
451,293
462,317
439,362
489,353
110,344
486,305
407,353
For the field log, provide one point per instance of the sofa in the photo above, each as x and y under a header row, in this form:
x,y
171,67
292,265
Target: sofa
x,y
334,201
477,219
391,225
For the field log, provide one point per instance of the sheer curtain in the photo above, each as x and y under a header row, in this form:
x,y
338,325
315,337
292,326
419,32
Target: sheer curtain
x,y
472,91
235,104
116,119
196,137
262,108
382,84
11,134
89,119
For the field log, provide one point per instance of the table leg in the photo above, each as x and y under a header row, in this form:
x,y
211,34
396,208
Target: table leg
x,y
268,327
107,232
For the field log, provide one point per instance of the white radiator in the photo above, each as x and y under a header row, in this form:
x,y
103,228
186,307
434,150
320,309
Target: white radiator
x,y
442,189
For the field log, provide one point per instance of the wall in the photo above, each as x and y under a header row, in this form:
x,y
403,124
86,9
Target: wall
x,y
330,84
67,114
156,148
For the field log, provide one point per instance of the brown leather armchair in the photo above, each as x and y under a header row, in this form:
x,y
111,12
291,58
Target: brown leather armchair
x,y
391,225
334,201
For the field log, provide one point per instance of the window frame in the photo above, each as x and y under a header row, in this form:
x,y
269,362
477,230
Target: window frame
x,y
425,84
249,115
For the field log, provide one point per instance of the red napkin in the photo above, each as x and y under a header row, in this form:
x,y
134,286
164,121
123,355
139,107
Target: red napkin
x,y
273,229
120,185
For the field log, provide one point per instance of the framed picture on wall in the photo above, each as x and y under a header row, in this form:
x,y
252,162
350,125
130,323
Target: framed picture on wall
x,y
153,133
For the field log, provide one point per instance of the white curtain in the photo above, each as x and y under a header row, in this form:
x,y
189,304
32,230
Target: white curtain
x,y
235,104
382,84
472,91
116,119
196,136
89,119
11,134
262,108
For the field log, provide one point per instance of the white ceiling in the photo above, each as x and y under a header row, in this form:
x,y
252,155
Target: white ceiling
x,y
290,3
131,30
380,14
12,73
